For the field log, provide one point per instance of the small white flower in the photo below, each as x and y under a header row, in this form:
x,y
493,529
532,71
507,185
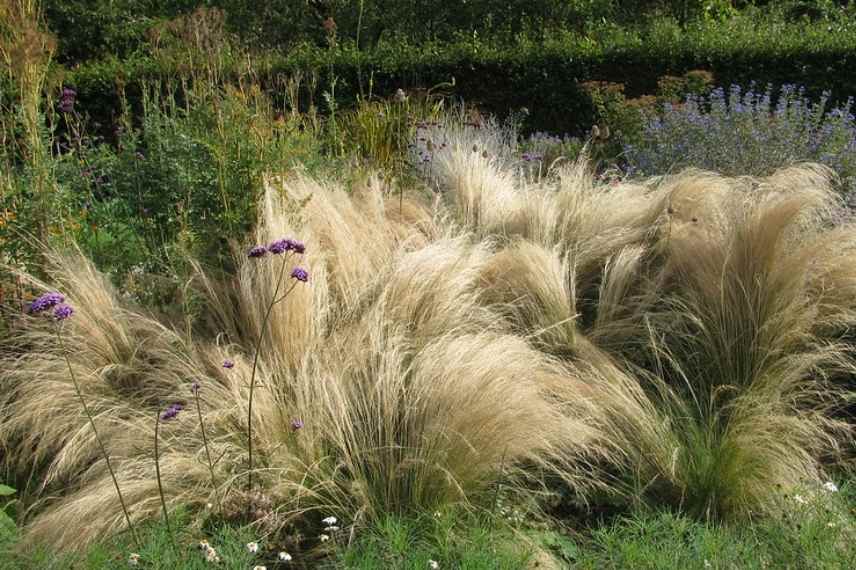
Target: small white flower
x,y
433,564
331,529
799,499
134,559
707,564
209,506
330,521
831,524
284,557
203,545
436,514
211,555
831,487
253,547
259,567
323,538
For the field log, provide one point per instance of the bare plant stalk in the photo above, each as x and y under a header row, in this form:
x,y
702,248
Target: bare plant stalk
x,y
101,447
160,484
208,452
262,331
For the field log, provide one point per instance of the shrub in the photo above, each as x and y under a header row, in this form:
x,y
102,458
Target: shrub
x,y
745,133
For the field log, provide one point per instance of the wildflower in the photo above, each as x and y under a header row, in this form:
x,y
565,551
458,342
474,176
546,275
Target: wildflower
x,y
62,312
259,567
203,545
279,246
707,564
211,555
252,547
433,564
257,251
296,424
296,246
228,364
194,387
284,557
799,499
831,487
134,559
330,520
331,529
300,274
323,538
45,302
66,100
171,412
400,96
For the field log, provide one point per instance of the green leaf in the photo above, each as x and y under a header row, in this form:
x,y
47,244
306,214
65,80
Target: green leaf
x,y
6,491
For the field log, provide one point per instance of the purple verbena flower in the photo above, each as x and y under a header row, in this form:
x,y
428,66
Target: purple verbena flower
x,y
194,387
62,312
300,274
296,246
279,246
171,412
257,251
45,302
228,364
296,424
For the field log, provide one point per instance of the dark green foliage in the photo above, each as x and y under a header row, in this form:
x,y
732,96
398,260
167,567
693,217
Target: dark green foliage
x,y
546,76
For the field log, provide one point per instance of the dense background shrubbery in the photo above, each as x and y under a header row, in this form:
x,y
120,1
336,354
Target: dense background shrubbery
x,y
532,54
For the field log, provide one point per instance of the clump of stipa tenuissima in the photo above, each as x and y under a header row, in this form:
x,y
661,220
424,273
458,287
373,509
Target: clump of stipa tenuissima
x,y
384,387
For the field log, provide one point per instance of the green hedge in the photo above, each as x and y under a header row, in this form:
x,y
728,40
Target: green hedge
x,y
544,77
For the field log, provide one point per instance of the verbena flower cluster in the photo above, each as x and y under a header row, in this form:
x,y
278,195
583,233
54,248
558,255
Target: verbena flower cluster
x,y
278,247
45,302
51,300
171,412
745,133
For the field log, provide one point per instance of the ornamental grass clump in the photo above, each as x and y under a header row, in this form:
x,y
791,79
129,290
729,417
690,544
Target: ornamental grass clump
x,y
705,315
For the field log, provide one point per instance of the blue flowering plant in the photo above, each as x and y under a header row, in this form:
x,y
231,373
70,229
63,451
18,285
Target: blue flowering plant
x,y
750,132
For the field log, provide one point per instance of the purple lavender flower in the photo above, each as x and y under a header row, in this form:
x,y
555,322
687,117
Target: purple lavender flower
x,y
45,302
62,312
194,387
300,274
296,424
279,246
171,412
257,251
228,364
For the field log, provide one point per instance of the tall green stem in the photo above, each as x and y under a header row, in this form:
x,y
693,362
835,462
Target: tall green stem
x,y
101,447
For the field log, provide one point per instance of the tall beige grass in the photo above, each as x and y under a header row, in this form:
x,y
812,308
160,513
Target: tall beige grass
x,y
413,397
707,310
677,340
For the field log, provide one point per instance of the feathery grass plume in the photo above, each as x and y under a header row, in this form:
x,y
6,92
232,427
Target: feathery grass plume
x,y
745,332
401,377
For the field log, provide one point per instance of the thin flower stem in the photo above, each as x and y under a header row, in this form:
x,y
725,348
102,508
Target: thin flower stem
x,y
160,484
253,374
101,447
208,453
